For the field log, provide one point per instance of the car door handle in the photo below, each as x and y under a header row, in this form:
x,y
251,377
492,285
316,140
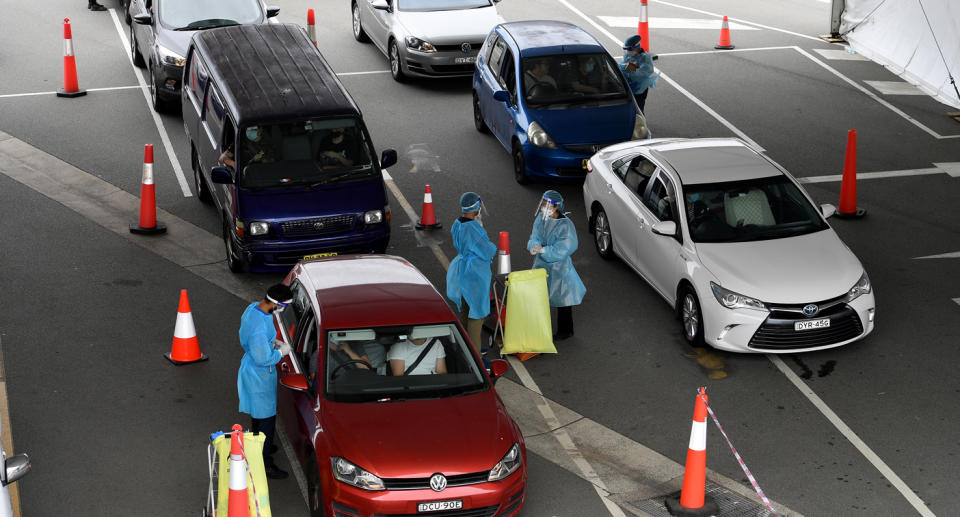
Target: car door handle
x,y
284,367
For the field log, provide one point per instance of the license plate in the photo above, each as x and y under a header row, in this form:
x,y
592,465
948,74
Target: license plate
x,y
435,506
812,324
465,60
583,163
318,255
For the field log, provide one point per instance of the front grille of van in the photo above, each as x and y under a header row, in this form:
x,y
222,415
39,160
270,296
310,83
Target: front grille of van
x,y
318,226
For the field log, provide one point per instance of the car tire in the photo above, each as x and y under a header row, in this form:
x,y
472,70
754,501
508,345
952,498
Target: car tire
x,y
314,486
396,68
358,33
203,193
478,116
602,235
159,105
691,317
519,164
135,54
235,263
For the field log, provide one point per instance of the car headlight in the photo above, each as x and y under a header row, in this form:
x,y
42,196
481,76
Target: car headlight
x,y
539,137
259,228
373,217
639,128
732,300
420,45
861,287
170,57
353,475
507,465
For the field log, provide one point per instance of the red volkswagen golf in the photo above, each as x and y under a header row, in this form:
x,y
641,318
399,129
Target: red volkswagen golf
x,y
388,407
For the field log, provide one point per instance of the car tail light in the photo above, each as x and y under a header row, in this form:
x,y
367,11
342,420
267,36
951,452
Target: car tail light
x,y
589,165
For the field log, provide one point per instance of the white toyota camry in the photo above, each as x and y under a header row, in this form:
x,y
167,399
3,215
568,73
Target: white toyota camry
x,y
731,241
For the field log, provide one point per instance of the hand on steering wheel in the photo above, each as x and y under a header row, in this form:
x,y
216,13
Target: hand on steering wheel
x,y
333,374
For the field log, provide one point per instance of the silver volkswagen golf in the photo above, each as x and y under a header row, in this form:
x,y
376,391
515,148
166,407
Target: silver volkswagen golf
x,y
426,38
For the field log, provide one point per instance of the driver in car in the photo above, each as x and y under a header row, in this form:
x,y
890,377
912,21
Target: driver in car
x,y
366,356
417,357
539,73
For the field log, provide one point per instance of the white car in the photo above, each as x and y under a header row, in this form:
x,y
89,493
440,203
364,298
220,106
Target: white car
x,y
730,240
11,469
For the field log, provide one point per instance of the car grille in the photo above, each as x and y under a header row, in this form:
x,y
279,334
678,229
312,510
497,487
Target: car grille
x,y
474,47
318,226
488,511
453,69
777,333
422,483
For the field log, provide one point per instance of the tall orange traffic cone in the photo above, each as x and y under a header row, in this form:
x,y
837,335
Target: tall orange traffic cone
x,y
693,499
643,27
186,348
724,43
311,26
848,187
147,223
70,84
239,501
428,220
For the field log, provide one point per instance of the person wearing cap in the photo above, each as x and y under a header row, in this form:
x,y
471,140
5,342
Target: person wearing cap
x,y
552,241
469,276
637,67
257,378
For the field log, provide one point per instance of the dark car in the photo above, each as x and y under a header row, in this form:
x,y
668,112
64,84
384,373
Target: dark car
x,y
161,34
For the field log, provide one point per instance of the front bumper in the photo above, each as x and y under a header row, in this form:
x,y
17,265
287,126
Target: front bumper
x,y
274,255
169,80
555,163
444,63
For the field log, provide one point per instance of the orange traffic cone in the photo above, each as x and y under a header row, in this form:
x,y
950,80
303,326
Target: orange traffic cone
x,y
186,348
643,27
848,187
428,221
239,502
70,84
724,43
693,499
311,26
147,223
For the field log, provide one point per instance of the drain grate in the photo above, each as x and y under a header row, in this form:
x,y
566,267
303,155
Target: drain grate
x,y
730,504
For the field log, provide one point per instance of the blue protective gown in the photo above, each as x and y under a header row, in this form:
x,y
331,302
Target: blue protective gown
x,y
559,240
643,76
469,274
257,378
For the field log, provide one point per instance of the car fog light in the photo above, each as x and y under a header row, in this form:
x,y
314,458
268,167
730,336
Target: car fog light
x,y
870,314
723,333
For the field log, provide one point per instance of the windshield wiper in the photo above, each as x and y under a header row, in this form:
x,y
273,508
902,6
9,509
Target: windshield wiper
x,y
196,26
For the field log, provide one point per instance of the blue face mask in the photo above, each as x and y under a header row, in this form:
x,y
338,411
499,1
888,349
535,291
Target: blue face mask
x,y
590,66
252,133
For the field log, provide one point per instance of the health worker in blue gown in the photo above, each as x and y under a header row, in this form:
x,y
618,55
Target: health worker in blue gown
x,y
469,276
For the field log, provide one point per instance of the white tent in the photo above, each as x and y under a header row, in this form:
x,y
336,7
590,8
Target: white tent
x,y
918,40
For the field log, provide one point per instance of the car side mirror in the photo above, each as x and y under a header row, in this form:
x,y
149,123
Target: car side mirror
x,y
828,210
501,95
498,367
221,175
388,158
144,18
667,228
380,5
273,10
296,382
16,467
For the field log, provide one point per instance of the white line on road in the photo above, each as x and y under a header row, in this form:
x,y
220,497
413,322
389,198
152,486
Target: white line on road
x,y
697,52
364,73
957,300
9,95
873,175
955,254
797,34
891,476
673,23
164,138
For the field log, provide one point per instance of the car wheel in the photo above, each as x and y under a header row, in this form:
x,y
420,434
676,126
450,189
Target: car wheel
x,y
358,33
519,165
203,193
134,51
602,236
235,263
159,105
478,116
314,486
691,318
396,70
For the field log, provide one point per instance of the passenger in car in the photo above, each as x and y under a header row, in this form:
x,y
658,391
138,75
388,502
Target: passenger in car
x,y
336,149
417,357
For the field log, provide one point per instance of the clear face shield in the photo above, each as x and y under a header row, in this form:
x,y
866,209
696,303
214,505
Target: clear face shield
x,y
546,208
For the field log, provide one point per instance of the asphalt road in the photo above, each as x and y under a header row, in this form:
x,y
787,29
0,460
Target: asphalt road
x,y
114,429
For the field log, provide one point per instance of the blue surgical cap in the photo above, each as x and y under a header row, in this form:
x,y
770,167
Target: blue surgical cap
x,y
632,43
469,202
554,198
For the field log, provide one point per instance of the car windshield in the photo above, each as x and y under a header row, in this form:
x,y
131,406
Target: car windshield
x,y
195,15
304,153
388,364
440,5
750,210
572,80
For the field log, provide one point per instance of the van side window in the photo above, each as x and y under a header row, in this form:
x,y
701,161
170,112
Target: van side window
x,y
508,76
213,115
496,57
491,42
197,79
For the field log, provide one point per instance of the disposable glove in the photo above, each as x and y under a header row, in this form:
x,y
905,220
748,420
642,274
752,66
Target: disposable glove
x,y
536,249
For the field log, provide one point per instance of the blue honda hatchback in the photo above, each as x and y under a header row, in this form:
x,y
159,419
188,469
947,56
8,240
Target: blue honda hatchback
x,y
553,96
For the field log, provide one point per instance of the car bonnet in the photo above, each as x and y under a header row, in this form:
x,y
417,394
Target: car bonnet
x,y
601,125
454,26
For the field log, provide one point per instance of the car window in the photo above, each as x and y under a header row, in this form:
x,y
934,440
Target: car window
x,y
440,5
660,199
194,15
307,349
197,79
372,363
508,75
572,80
213,115
635,172
293,314
757,209
496,58
490,44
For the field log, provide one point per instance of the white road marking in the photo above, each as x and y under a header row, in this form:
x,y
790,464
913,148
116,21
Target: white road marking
x,y
852,437
164,137
955,254
957,300
364,73
951,168
714,51
874,175
673,23
839,55
731,20
10,95
895,88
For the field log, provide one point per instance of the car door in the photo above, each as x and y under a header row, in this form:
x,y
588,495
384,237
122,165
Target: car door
x,y
298,409
379,23
212,137
660,254
507,116
626,213
494,111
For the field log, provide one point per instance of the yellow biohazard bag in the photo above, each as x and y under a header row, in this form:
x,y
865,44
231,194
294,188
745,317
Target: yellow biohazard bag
x,y
527,326
253,451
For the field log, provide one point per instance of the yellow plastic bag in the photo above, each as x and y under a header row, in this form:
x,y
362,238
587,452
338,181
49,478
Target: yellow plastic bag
x,y
253,450
527,326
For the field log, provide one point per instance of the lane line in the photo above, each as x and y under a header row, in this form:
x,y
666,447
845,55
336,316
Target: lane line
x,y
164,137
622,22
873,175
12,95
7,442
666,78
797,34
698,52
955,254
957,300
342,74
852,437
